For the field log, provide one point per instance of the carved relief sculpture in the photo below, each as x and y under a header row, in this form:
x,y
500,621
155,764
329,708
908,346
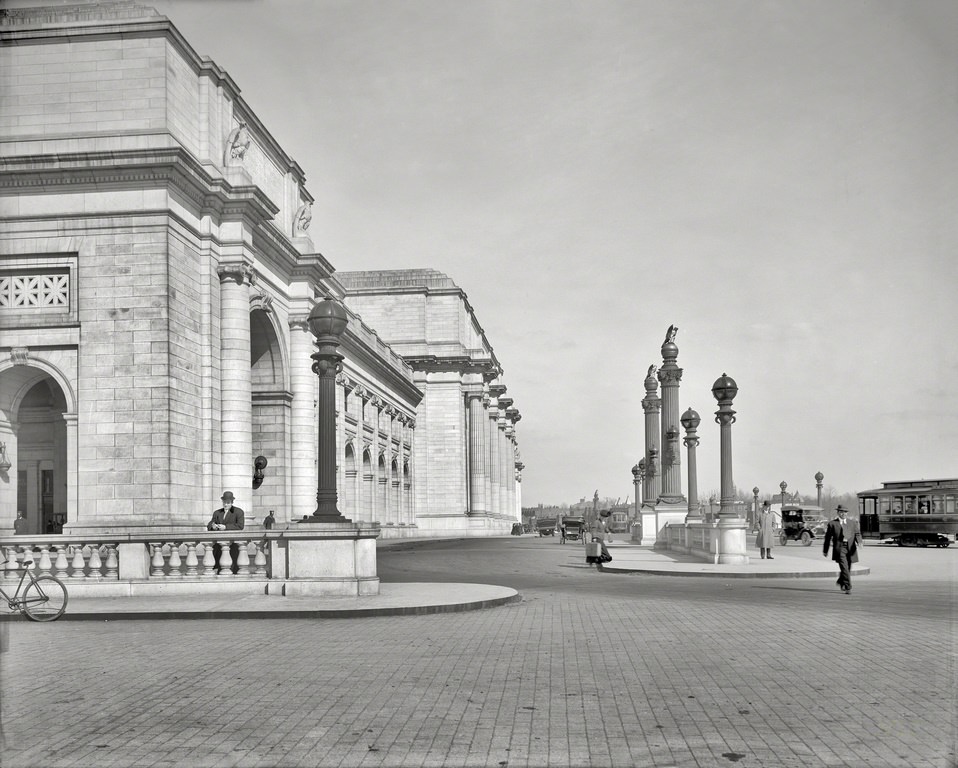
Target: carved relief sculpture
x,y
302,219
237,143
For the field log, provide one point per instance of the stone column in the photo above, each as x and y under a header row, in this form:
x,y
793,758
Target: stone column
x,y
651,405
235,375
669,376
503,466
477,454
494,464
303,423
730,545
487,455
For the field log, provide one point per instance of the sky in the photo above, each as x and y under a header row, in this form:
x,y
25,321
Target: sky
x,y
777,179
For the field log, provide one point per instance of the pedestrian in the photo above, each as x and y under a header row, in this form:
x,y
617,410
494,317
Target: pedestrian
x,y
269,521
598,534
766,531
845,537
20,524
227,518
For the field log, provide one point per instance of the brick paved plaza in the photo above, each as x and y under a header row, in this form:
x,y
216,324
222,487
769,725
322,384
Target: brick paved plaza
x,y
588,670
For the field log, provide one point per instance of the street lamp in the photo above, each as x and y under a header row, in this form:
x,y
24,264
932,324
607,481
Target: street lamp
x,y
327,321
818,486
724,390
754,506
783,485
690,421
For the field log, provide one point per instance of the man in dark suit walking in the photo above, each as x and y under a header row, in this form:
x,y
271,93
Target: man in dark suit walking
x,y
845,537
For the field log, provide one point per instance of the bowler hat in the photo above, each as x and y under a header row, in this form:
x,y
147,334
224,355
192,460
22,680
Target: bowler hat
x,y
840,508
227,496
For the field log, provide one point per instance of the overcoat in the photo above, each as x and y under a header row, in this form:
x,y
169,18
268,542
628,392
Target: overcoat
x,y
834,536
234,520
766,531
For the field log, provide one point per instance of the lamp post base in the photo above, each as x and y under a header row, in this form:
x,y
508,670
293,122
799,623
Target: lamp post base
x,y
326,518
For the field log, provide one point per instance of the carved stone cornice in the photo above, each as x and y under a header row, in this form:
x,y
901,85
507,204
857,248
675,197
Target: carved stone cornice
x,y
497,390
135,169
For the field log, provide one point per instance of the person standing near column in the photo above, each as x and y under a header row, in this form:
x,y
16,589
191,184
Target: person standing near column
x,y
845,537
766,531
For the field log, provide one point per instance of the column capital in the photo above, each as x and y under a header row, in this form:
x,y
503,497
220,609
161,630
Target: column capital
x,y
238,272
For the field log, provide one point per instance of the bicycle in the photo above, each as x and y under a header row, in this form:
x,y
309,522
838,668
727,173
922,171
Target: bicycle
x,y
44,598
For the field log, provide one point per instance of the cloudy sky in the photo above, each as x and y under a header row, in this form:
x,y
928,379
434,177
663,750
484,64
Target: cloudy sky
x,y
777,179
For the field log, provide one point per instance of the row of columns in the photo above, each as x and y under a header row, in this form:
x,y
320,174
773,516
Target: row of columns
x,y
236,417
493,466
381,496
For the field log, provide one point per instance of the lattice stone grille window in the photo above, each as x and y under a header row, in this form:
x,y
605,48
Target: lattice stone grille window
x,y
34,291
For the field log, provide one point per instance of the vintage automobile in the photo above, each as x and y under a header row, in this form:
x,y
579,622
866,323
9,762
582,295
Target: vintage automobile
x,y
546,527
571,529
801,524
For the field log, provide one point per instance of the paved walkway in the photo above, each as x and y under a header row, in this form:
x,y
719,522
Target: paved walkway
x,y
589,670
423,598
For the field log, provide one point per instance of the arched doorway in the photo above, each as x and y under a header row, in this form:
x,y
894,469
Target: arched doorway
x,y
37,426
271,413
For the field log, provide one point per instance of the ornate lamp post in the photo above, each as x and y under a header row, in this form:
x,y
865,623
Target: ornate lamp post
x,y
818,487
754,507
783,485
638,475
724,390
327,321
690,421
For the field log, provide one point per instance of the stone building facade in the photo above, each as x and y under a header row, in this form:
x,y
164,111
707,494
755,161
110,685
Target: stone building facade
x,y
466,424
156,273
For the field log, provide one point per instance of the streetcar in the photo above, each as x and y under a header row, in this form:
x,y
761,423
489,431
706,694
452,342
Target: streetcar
x,y
918,512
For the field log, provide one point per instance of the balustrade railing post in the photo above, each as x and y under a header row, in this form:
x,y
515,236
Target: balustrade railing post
x,y
242,560
208,562
94,562
191,561
112,562
156,561
175,562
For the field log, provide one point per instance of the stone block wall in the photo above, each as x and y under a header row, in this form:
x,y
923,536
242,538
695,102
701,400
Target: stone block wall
x,y
83,86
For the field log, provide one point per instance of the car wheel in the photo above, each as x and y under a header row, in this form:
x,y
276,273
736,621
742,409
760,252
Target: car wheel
x,y
806,539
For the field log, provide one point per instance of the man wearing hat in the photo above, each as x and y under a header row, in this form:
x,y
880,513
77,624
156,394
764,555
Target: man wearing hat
x,y
227,518
845,537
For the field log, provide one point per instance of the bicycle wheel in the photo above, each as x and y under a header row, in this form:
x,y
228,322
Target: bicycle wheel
x,y
44,599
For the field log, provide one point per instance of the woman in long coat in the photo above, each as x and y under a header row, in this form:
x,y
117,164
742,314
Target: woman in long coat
x,y
766,532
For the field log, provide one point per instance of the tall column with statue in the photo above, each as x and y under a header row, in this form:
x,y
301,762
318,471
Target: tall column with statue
x,y
652,482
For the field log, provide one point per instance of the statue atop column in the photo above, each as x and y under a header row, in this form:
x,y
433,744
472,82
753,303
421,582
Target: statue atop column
x,y
670,334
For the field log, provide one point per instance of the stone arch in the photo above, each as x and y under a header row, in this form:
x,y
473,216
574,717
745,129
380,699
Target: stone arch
x,y
350,471
383,496
269,380
394,488
366,504
38,426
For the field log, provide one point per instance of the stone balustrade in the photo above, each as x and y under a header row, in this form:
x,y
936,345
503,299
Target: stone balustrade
x,y
337,559
718,542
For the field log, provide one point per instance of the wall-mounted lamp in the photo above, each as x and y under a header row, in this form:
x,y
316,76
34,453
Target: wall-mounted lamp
x,y
259,464
4,461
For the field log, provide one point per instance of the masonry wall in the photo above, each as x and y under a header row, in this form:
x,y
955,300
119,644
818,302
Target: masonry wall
x,y
83,86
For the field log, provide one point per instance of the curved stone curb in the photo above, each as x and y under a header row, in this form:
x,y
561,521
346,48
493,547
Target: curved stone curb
x,y
734,574
409,599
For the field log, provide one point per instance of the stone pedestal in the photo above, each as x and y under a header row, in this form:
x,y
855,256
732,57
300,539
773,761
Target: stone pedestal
x,y
671,514
326,560
649,529
730,544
